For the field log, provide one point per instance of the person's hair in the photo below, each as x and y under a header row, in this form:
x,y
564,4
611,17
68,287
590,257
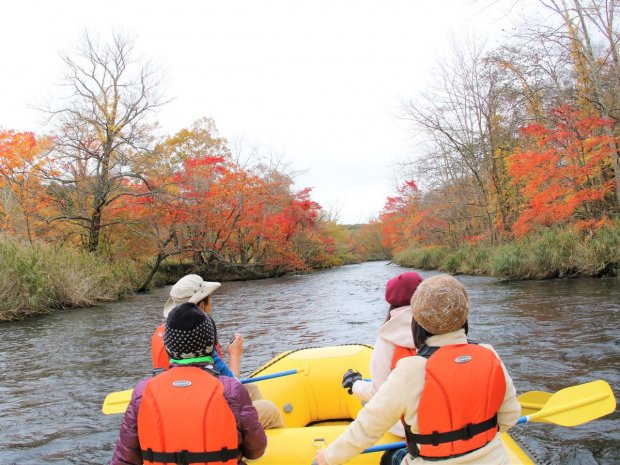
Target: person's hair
x,y
420,335
388,316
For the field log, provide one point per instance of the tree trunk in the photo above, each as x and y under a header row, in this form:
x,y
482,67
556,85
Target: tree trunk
x,y
145,285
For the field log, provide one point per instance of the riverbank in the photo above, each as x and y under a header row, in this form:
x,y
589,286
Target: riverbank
x,y
39,279
553,253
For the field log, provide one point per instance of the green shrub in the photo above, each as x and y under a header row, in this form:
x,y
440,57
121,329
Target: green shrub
x,y
554,252
507,260
424,258
455,261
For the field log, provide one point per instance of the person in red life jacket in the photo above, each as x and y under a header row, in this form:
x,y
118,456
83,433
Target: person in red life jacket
x,y
453,397
193,289
190,413
394,341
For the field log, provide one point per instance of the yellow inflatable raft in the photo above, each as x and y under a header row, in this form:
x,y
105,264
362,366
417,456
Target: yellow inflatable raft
x,y
316,409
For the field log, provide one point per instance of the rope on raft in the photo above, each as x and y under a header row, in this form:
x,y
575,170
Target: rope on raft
x,y
286,354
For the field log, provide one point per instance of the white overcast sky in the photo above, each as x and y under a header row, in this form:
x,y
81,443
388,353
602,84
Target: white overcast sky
x,y
317,82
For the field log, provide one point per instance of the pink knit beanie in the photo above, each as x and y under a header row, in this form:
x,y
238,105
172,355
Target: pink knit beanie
x,y
399,289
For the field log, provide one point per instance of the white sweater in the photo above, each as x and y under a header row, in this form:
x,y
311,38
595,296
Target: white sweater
x,y
394,332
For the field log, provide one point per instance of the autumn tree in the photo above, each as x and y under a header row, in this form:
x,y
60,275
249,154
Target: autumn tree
x,y
560,170
157,218
467,121
590,33
367,243
100,130
22,204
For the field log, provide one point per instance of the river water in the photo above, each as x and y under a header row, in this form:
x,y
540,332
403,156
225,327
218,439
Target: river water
x,y
56,370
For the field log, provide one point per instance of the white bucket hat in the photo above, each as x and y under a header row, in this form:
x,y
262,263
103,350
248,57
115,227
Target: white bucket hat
x,y
191,288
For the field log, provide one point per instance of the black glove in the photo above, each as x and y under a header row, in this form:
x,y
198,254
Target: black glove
x,y
349,378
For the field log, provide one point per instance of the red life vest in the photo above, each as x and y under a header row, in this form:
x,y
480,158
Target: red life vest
x,y
464,388
401,352
184,418
161,361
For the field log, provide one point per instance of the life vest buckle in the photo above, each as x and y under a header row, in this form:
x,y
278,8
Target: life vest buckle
x,y
435,438
147,455
182,457
467,432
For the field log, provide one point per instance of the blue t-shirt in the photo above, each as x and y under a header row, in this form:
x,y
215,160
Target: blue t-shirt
x,y
220,365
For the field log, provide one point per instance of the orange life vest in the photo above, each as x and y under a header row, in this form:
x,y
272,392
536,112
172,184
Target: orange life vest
x,y
158,351
464,388
184,418
161,361
401,352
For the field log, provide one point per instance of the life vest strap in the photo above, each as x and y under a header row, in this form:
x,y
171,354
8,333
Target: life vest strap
x,y
185,457
462,434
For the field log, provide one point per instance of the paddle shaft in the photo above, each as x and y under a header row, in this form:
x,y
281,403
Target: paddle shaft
x,y
271,376
116,402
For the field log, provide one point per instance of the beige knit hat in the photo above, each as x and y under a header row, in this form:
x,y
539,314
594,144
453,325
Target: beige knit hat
x,y
190,288
440,304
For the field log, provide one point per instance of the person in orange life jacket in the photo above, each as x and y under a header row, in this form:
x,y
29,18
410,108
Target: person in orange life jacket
x,y
394,341
193,289
173,415
459,391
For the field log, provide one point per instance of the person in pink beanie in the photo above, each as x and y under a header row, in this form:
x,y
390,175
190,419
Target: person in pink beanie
x,y
394,341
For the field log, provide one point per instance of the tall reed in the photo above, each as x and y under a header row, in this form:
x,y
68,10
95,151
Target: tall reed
x,y
40,278
554,252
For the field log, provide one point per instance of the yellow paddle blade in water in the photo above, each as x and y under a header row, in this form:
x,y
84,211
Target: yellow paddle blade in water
x,y
116,402
577,404
533,401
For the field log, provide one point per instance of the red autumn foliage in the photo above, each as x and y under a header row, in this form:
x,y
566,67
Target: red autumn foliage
x,y
560,171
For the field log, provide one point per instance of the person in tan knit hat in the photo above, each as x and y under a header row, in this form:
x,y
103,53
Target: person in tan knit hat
x,y
453,397
439,306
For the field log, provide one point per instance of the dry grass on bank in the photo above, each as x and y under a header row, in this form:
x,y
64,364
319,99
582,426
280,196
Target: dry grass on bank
x,y
555,252
38,279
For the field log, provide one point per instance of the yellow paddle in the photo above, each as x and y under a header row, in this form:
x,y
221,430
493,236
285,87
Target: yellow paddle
x,y
570,406
575,405
117,402
533,401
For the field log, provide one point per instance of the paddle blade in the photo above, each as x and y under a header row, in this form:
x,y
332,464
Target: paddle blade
x,y
575,405
116,402
533,401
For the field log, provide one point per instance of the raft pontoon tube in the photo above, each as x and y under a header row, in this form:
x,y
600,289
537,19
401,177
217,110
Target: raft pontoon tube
x,y
316,409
